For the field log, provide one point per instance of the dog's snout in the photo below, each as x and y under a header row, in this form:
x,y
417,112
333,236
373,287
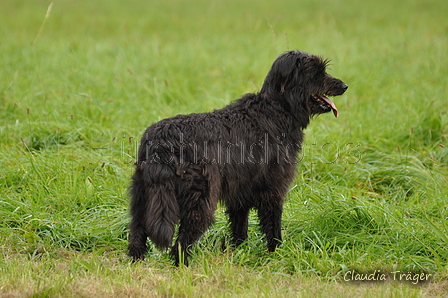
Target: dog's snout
x,y
344,86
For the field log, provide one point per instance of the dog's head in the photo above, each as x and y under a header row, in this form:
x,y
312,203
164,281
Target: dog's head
x,y
300,80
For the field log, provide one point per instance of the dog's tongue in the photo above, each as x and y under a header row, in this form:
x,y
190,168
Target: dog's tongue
x,y
332,105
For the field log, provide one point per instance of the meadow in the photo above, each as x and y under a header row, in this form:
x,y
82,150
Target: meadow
x,y
81,80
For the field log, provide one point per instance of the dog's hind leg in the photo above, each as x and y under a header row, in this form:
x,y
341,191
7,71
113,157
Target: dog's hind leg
x,y
137,239
197,195
197,204
196,217
270,215
238,219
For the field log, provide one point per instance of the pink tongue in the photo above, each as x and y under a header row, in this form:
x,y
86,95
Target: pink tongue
x,y
332,105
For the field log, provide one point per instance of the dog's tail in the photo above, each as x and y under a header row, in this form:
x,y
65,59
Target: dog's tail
x,y
161,207
162,214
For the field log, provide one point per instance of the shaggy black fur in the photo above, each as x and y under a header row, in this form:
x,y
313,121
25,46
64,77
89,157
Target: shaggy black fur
x,y
243,155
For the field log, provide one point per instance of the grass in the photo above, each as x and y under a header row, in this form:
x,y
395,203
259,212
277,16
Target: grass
x,y
80,81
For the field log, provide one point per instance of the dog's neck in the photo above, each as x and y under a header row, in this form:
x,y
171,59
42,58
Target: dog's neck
x,y
284,103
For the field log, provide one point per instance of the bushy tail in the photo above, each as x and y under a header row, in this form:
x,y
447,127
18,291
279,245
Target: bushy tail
x,y
162,213
154,209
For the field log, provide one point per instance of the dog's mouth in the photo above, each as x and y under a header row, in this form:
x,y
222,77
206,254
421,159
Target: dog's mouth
x,y
323,100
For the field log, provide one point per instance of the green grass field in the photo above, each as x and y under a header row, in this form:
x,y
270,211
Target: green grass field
x,y
81,80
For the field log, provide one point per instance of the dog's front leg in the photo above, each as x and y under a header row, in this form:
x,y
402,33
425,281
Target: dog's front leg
x,y
270,215
238,219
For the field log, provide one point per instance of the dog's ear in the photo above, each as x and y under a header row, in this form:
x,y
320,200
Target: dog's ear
x,y
284,70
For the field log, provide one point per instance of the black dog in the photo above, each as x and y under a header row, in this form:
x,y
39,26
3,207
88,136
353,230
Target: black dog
x,y
243,155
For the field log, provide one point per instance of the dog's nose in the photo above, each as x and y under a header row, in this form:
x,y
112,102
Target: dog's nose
x,y
344,86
